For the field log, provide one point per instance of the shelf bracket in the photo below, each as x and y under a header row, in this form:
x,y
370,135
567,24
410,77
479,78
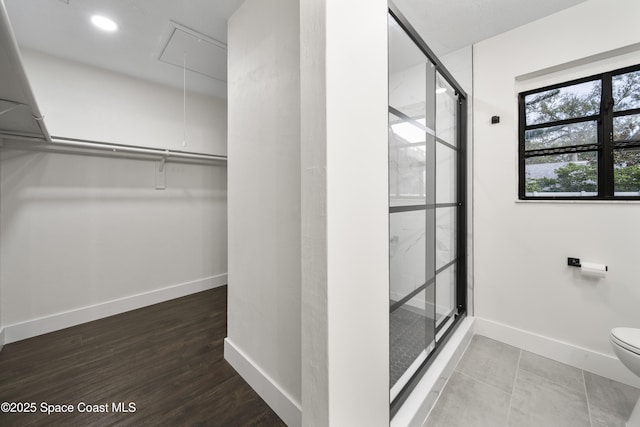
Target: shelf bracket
x,y
161,173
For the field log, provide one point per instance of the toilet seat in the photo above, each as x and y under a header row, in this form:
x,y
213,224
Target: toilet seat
x,y
627,338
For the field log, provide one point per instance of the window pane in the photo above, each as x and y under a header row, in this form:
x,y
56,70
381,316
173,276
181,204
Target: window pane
x,y
626,128
445,294
407,73
446,111
626,91
411,330
407,163
561,136
445,236
626,172
407,253
446,174
568,102
570,175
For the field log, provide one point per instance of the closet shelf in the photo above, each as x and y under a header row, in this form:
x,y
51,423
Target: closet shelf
x,y
19,113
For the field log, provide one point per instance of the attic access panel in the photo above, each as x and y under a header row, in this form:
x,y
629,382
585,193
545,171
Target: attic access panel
x,y
195,51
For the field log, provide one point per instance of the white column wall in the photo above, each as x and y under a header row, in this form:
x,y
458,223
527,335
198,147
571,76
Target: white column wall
x,y
357,212
315,327
264,201
342,161
524,290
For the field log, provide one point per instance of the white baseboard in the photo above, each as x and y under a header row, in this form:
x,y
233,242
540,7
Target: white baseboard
x,y
416,408
1,338
55,322
598,363
287,408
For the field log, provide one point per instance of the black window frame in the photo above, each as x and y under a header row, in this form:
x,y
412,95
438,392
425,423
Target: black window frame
x,y
604,147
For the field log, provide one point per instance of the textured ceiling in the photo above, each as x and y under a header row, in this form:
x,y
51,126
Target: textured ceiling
x,y
62,28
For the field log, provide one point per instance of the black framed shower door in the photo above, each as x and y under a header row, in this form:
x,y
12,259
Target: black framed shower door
x,y
427,206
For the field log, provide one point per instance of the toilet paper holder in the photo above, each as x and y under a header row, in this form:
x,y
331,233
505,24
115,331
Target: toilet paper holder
x,y
575,262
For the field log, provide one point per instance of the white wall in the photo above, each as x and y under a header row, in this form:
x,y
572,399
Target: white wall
x,y
345,242
357,212
524,290
84,102
79,232
313,155
264,201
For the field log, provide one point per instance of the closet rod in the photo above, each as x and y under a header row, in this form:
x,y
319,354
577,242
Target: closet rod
x,y
135,149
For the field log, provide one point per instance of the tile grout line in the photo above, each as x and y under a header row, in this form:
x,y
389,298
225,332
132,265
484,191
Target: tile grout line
x,y
513,389
586,394
482,382
477,379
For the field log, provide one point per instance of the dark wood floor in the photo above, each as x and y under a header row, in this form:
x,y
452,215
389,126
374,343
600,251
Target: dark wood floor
x,y
166,358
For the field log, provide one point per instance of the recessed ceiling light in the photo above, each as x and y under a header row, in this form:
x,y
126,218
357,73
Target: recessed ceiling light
x,y
104,23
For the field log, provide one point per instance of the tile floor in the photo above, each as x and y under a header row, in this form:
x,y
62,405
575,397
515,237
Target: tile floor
x,y
495,384
408,338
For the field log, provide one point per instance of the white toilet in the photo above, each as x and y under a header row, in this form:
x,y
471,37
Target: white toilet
x,y
626,345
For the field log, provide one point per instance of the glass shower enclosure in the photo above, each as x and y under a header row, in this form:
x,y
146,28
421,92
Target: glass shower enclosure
x,y
427,205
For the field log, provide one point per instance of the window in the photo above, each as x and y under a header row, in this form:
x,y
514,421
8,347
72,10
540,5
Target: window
x,y
581,139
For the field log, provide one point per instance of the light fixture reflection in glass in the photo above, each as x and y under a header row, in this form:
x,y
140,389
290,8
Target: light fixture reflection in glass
x,y
104,23
410,132
441,90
